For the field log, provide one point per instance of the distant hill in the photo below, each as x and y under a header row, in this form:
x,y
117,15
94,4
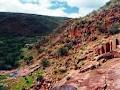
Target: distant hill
x,y
17,30
27,24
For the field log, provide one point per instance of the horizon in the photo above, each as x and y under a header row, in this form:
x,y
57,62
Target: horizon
x,y
58,8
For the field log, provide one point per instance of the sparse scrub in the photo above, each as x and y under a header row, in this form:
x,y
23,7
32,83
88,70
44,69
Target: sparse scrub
x,y
82,63
63,51
27,81
30,47
2,87
45,62
60,70
39,78
68,45
41,49
21,56
28,59
101,28
2,77
114,29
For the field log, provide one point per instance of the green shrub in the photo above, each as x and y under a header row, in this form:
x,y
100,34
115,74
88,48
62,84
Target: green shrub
x,y
108,3
45,62
114,29
30,47
21,57
28,59
63,51
2,87
39,78
2,77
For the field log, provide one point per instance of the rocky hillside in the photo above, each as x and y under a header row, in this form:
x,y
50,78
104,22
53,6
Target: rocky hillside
x,y
85,45
96,55
82,54
97,22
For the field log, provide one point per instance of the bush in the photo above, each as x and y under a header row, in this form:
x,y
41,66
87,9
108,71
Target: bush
x,y
30,47
39,78
2,87
63,51
108,3
2,77
45,62
69,45
28,59
114,29
101,27
21,57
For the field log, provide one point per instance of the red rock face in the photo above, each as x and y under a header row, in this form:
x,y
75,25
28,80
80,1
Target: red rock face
x,y
107,77
102,50
117,42
95,23
110,46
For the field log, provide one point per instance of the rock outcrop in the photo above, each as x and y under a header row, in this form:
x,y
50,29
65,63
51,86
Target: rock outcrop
x,y
106,77
109,46
95,23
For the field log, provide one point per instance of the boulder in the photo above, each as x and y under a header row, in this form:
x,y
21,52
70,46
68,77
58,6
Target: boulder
x,y
107,56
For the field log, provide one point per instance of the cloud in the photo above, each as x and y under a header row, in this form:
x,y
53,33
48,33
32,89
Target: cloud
x,y
30,1
65,8
86,6
55,4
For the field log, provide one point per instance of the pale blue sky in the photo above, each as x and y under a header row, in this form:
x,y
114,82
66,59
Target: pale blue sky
x,y
64,8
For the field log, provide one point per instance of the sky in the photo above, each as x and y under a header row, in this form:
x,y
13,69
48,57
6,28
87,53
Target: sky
x,y
63,8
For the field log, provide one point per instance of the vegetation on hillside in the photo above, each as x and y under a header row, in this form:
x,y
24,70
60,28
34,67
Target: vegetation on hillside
x,y
17,30
115,28
10,51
